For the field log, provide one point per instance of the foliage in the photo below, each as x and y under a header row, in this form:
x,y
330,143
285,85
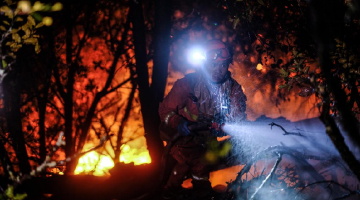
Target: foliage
x,y
20,21
285,28
9,195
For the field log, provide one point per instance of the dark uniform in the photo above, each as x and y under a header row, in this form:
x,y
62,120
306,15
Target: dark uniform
x,y
196,99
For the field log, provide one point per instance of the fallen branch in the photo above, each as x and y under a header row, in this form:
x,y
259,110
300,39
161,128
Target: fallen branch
x,y
286,132
351,192
268,176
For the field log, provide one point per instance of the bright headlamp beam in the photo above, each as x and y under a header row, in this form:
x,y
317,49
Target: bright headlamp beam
x,y
198,56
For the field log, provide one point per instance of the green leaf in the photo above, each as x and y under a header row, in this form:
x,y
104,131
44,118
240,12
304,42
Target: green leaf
x,y
2,28
282,86
20,196
236,22
47,8
8,12
37,16
342,60
283,73
31,41
346,65
295,52
15,30
39,25
6,22
31,20
289,88
38,6
352,57
4,64
19,19
37,48
292,70
47,21
10,191
16,37
261,3
27,34
306,69
57,7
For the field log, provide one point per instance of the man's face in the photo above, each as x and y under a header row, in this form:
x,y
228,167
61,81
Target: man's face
x,y
216,71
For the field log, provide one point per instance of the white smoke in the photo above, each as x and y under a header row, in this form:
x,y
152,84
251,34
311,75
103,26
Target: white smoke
x,y
306,138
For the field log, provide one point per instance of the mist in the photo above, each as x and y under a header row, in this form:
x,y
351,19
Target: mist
x,y
305,163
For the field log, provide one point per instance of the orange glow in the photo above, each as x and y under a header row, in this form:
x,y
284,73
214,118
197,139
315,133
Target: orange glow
x,y
259,66
94,163
99,164
137,156
262,100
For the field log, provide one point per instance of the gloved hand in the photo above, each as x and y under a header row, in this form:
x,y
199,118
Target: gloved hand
x,y
182,128
216,129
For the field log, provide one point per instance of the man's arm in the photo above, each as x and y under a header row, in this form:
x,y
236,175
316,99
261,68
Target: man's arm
x,y
173,102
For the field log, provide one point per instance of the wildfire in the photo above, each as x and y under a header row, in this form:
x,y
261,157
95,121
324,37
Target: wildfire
x,y
94,163
99,164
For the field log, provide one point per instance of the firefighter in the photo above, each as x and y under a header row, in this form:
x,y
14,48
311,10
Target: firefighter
x,y
193,102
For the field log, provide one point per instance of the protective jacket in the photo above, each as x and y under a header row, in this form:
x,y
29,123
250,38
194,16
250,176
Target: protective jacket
x,y
196,99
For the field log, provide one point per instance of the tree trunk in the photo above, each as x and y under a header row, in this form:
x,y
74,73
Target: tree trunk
x,y
148,101
323,35
68,98
43,97
124,121
163,10
12,105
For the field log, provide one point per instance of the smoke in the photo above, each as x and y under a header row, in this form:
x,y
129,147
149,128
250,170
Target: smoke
x,y
307,155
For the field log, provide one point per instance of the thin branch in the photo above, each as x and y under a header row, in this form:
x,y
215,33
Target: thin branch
x,y
52,105
331,182
118,86
124,121
268,176
286,132
59,86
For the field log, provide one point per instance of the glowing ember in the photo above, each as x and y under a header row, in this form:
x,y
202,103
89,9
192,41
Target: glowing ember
x,y
259,66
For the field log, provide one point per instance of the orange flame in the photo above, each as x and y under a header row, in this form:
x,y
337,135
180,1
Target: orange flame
x,y
99,164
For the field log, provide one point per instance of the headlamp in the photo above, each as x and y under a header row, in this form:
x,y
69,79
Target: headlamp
x,y
217,55
196,56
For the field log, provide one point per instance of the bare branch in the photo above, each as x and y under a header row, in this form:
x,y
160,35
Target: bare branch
x,y
118,86
59,86
268,176
332,182
285,132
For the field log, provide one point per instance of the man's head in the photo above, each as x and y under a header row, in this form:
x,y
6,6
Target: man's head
x,y
217,60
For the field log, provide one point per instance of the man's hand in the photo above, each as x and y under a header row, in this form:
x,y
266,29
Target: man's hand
x,y
216,129
182,128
